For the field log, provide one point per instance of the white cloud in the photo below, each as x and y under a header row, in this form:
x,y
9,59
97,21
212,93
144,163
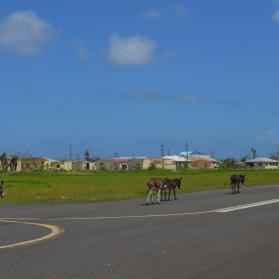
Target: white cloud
x,y
152,13
170,53
275,17
24,33
147,95
132,50
180,10
191,99
83,52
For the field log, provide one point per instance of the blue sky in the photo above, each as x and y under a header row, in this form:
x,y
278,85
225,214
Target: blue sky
x,y
126,76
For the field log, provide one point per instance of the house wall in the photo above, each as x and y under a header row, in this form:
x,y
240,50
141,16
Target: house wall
x,y
40,164
107,165
77,165
169,165
202,164
163,164
33,164
67,166
265,166
19,166
139,163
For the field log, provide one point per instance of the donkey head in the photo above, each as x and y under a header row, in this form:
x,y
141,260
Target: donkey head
x,y
242,178
178,182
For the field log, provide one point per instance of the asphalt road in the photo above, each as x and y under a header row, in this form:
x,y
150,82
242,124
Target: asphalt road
x,y
140,241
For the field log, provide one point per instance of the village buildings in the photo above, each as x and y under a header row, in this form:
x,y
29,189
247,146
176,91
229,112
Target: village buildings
x,y
192,160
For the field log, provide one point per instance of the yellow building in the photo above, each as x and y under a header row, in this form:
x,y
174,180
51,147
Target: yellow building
x,y
40,163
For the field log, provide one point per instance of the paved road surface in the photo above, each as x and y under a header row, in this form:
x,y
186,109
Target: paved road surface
x,y
207,244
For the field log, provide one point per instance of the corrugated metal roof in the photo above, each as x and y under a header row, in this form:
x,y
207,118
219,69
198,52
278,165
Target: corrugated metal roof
x,y
262,160
39,159
175,158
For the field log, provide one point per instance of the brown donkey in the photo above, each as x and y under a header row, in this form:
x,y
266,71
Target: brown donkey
x,y
155,184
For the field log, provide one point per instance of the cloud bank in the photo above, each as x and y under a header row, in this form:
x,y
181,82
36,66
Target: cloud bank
x,y
82,51
131,50
152,13
24,33
275,17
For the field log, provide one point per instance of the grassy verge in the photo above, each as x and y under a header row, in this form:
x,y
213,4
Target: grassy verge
x,y
52,187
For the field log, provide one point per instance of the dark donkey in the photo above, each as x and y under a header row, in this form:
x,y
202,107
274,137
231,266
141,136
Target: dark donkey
x,y
235,181
2,193
171,184
156,184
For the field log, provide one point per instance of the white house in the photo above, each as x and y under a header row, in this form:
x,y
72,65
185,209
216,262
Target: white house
x,y
262,163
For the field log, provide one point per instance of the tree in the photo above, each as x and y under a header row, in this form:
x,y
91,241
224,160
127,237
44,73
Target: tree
x,y
254,152
86,155
4,161
229,163
244,158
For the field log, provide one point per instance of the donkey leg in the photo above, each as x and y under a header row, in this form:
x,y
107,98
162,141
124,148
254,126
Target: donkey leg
x,y
169,193
159,196
162,195
148,196
174,194
238,188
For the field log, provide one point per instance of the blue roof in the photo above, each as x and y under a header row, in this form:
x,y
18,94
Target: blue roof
x,y
184,153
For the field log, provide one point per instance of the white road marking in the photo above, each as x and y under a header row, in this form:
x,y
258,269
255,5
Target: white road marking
x,y
132,216
245,206
221,210
55,232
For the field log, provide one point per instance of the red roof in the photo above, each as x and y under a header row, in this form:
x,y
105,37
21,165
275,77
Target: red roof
x,y
121,160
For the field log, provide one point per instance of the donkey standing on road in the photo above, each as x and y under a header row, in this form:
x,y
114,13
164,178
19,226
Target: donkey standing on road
x,y
235,181
171,184
156,184
2,193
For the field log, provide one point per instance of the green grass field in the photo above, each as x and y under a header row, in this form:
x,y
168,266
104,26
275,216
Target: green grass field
x,y
60,187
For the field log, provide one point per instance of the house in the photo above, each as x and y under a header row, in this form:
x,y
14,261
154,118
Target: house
x,y
123,162
203,162
107,164
162,163
83,165
40,163
199,160
139,163
175,162
262,163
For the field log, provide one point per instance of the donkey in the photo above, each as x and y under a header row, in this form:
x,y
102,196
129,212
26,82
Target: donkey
x,y
2,193
171,184
156,184
235,181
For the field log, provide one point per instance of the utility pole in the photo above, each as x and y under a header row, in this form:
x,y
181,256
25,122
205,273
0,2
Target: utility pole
x,y
70,157
187,155
162,148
